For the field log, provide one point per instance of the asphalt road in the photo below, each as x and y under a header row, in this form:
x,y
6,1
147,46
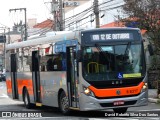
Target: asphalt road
x,y
17,110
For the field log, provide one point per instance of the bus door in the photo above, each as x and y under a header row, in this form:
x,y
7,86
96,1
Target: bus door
x,y
36,77
72,84
14,76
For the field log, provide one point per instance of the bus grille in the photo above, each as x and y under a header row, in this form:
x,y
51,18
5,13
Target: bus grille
x,y
116,96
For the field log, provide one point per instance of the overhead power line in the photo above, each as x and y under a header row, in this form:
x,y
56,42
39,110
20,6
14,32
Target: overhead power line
x,y
25,18
92,14
85,14
86,10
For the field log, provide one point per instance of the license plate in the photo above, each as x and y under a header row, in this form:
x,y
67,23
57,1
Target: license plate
x,y
118,103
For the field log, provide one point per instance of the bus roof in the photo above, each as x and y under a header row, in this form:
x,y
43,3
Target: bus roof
x,y
44,40
59,37
111,28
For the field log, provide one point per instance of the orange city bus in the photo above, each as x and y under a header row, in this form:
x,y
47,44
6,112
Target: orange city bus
x,y
94,69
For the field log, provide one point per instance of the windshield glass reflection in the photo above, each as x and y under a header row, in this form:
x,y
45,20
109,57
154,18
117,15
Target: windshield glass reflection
x,y
112,62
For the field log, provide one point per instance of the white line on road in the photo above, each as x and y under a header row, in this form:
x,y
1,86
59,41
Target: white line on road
x,y
97,119
75,118
154,118
43,118
4,96
114,118
149,118
147,110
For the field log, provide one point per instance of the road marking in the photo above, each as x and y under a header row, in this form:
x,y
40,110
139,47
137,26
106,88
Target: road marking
x,y
98,119
147,118
53,118
128,118
154,118
147,110
4,96
81,118
114,118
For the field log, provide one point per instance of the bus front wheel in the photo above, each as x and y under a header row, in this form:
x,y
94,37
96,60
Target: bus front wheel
x,y
120,110
26,100
64,103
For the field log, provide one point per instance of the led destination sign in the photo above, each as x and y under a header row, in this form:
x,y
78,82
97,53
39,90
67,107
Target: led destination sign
x,y
114,36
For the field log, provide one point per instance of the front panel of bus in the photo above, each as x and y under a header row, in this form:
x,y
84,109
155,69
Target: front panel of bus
x,y
113,69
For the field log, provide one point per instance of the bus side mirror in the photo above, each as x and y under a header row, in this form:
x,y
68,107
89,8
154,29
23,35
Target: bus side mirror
x,y
79,56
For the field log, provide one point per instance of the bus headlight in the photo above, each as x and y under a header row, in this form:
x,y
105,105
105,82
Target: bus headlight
x,y
87,91
145,86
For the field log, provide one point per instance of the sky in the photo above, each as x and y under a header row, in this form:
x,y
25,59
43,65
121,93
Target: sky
x,y
109,15
39,9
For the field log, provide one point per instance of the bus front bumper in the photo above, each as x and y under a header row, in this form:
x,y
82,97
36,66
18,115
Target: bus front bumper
x,y
92,103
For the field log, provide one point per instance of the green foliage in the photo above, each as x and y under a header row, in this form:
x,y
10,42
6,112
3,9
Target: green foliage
x,y
146,14
155,64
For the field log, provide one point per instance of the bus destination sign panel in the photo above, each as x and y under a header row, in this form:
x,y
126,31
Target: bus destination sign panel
x,y
114,36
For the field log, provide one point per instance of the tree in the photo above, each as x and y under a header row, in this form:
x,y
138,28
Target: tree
x,y
144,14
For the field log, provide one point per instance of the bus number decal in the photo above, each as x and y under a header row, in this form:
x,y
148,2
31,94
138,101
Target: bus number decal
x,y
133,91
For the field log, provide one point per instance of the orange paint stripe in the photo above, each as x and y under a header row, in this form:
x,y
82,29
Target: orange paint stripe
x,y
111,92
9,86
21,83
25,82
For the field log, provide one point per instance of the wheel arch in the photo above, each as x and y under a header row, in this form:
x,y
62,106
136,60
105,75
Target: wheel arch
x,y
59,93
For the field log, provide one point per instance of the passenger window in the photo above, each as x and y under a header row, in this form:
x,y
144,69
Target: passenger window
x,y
52,63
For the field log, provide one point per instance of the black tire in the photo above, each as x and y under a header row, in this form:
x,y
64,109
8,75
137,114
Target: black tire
x,y
26,100
120,110
64,104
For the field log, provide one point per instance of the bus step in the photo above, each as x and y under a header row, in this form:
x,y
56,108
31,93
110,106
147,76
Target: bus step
x,y
73,108
39,104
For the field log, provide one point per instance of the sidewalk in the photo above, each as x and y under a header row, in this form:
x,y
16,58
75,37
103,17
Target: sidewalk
x,y
152,96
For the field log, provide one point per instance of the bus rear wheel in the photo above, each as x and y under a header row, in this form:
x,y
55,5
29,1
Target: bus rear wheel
x,y
120,110
64,104
26,100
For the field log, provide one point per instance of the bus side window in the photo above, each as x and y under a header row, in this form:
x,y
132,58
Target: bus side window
x,y
58,63
42,68
50,64
28,63
54,63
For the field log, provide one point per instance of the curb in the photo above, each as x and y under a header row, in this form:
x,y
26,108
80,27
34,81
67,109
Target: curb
x,y
154,100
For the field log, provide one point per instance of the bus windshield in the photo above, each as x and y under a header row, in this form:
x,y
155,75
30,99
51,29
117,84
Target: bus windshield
x,y
113,62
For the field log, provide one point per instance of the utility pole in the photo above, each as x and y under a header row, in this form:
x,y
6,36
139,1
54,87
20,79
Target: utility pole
x,y
54,9
96,12
25,18
58,15
9,37
61,15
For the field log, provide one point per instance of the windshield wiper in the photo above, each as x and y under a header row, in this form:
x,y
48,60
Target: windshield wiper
x,y
101,51
127,48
